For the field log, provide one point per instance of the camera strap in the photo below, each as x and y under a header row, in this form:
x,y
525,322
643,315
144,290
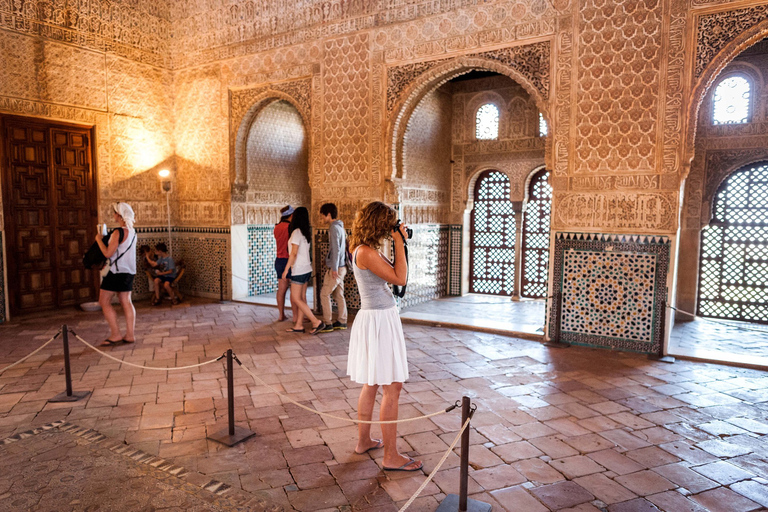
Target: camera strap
x,y
399,291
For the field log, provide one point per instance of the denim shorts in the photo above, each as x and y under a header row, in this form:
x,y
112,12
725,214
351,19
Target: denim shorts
x,y
301,279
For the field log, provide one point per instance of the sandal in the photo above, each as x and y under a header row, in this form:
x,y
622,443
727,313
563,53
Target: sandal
x,y
402,468
110,343
318,328
295,330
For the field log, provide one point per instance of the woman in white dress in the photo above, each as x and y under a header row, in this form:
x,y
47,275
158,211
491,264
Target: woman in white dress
x,y
377,355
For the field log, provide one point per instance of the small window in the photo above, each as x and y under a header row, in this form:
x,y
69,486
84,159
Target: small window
x,y
731,101
542,125
487,122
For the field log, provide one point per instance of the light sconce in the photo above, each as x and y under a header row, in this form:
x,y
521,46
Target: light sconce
x,y
165,184
165,180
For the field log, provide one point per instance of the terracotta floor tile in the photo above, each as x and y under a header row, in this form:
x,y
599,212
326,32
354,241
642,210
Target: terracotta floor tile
x,y
724,500
723,472
644,483
516,499
562,495
685,477
576,466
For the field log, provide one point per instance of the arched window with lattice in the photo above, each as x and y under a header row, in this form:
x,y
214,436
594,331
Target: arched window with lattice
x,y
733,271
536,236
492,252
732,100
487,122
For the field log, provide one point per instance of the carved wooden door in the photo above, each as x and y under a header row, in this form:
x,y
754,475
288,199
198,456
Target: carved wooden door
x,y
50,209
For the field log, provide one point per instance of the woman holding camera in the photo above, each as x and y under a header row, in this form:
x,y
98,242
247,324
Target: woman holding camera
x,y
377,355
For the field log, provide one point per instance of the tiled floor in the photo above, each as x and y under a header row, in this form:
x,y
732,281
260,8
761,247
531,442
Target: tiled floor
x,y
577,429
721,338
484,311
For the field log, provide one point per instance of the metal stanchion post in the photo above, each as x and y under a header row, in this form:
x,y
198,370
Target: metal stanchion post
x,y
233,434
68,395
462,503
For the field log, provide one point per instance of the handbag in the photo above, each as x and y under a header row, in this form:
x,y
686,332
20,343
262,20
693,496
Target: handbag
x,y
93,257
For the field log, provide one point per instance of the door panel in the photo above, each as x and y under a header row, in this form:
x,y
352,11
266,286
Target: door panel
x,y
50,210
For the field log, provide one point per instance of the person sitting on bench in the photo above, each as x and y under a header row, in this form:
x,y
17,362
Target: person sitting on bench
x,y
165,273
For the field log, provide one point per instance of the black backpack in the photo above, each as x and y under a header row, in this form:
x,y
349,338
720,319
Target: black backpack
x,y
93,257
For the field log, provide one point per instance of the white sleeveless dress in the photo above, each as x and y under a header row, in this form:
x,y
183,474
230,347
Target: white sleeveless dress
x,y
377,353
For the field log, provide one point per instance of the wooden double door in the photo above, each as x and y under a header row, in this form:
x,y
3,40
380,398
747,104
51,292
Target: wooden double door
x,y
50,207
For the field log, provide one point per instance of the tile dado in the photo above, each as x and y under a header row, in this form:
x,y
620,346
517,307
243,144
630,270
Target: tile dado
x,y
610,290
261,259
203,251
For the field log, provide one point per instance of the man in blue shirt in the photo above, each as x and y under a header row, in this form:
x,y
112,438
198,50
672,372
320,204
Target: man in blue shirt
x,y
165,273
336,269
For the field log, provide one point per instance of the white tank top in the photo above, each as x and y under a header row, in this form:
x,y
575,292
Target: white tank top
x,y
124,259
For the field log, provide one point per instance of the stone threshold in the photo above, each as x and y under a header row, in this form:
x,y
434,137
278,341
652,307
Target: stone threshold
x,y
717,357
424,319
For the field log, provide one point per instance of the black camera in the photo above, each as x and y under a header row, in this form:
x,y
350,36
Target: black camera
x,y
407,230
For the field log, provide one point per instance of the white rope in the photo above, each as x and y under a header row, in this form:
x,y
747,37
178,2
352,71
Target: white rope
x,y
294,402
141,366
33,353
434,471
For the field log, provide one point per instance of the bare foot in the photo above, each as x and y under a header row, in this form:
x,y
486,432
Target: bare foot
x,y
372,444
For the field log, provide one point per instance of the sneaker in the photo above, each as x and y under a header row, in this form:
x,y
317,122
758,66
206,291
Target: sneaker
x,y
326,328
338,326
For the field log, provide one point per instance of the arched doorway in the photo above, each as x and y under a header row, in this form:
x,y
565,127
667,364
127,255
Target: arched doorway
x,y
538,210
275,172
492,259
733,277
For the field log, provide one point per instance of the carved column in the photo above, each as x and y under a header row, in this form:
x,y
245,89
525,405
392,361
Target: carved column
x,y
517,206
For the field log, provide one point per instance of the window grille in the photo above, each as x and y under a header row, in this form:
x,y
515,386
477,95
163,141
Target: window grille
x,y
733,269
487,122
731,101
492,266
536,236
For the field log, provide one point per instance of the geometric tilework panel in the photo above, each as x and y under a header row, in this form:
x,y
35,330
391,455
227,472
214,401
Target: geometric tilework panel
x,y
319,252
261,260
427,264
610,290
454,253
2,281
203,250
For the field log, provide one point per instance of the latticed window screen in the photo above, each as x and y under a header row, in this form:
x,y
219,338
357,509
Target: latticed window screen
x,y
543,130
536,236
733,272
492,268
731,101
487,122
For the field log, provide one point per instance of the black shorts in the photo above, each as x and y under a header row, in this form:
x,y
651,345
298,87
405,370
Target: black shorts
x,y
301,279
166,278
280,264
121,282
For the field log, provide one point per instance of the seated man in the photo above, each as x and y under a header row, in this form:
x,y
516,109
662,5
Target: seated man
x,y
165,272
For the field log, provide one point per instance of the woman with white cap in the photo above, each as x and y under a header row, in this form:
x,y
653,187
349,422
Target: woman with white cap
x,y
121,253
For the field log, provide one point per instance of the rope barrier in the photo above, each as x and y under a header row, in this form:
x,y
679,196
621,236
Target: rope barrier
x,y
142,366
294,402
712,320
33,353
439,464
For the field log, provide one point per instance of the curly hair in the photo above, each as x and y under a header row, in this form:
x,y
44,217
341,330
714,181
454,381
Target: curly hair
x,y
372,224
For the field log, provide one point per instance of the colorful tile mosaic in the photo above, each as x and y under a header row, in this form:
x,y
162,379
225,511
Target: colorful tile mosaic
x,y
261,259
610,290
202,255
2,280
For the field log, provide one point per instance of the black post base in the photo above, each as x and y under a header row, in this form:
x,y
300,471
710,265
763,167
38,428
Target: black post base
x,y
74,397
451,504
223,437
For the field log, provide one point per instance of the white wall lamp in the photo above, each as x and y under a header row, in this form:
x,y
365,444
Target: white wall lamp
x,y
165,185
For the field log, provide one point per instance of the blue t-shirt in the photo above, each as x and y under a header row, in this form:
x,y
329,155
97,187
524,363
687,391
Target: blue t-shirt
x,y
167,264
